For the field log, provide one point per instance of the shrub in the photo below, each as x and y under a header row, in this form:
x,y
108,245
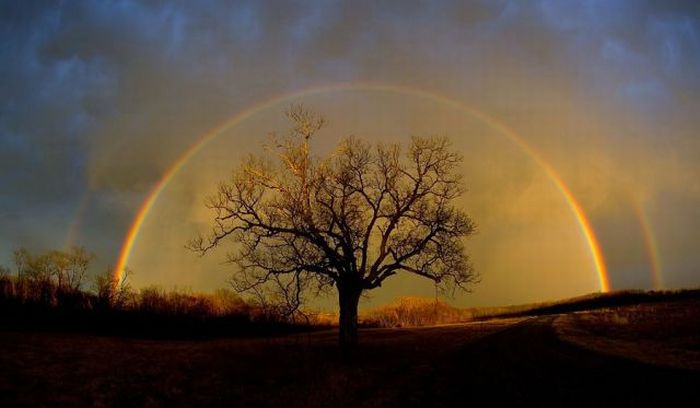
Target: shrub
x,y
414,311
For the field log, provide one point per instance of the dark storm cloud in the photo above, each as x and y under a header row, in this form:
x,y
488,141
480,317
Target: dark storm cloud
x,y
100,97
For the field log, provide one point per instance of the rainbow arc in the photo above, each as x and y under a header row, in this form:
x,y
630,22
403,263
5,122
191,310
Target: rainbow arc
x,y
584,224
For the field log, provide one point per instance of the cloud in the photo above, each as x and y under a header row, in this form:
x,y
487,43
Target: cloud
x,y
100,98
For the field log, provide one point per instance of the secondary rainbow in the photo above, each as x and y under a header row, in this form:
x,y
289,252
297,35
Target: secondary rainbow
x,y
583,222
77,224
652,248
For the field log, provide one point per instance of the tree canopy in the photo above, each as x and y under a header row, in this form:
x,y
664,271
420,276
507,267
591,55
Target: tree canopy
x,y
350,220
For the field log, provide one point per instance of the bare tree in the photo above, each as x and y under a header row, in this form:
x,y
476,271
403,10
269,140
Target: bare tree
x,y
350,220
70,268
113,290
4,272
66,270
23,260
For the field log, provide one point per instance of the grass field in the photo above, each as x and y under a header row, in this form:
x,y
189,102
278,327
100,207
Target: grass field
x,y
302,370
631,353
663,333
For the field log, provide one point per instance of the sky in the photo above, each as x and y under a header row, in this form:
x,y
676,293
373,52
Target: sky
x,y
99,99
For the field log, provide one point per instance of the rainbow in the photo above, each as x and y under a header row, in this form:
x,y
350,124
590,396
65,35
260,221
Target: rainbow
x,y
77,223
652,249
583,222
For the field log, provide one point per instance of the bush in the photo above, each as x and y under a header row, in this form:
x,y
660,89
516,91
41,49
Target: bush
x,y
414,311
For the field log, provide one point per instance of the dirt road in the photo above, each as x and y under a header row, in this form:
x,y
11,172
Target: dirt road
x,y
527,365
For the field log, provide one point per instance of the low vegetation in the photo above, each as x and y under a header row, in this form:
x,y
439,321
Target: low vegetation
x,y
593,301
661,333
414,312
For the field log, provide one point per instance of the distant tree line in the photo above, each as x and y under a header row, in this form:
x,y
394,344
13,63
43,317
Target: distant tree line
x,y
54,290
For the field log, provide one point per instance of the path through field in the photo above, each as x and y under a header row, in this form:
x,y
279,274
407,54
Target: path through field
x,y
527,365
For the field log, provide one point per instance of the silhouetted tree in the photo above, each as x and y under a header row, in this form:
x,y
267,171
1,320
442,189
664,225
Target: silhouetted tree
x,y
350,220
4,271
6,285
22,259
113,291
71,267
64,269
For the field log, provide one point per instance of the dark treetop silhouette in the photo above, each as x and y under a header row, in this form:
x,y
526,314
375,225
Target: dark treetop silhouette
x,y
350,220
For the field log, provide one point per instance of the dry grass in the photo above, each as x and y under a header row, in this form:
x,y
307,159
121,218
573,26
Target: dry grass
x,y
664,333
414,312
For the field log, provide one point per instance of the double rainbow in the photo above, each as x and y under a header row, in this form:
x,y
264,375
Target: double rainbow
x,y
584,224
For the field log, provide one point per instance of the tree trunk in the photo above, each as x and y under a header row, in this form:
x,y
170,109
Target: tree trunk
x,y
349,297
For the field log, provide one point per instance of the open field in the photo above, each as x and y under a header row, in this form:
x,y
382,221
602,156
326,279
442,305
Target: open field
x,y
76,369
664,333
498,362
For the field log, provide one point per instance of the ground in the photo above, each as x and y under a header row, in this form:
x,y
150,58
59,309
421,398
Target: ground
x,y
659,333
500,362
